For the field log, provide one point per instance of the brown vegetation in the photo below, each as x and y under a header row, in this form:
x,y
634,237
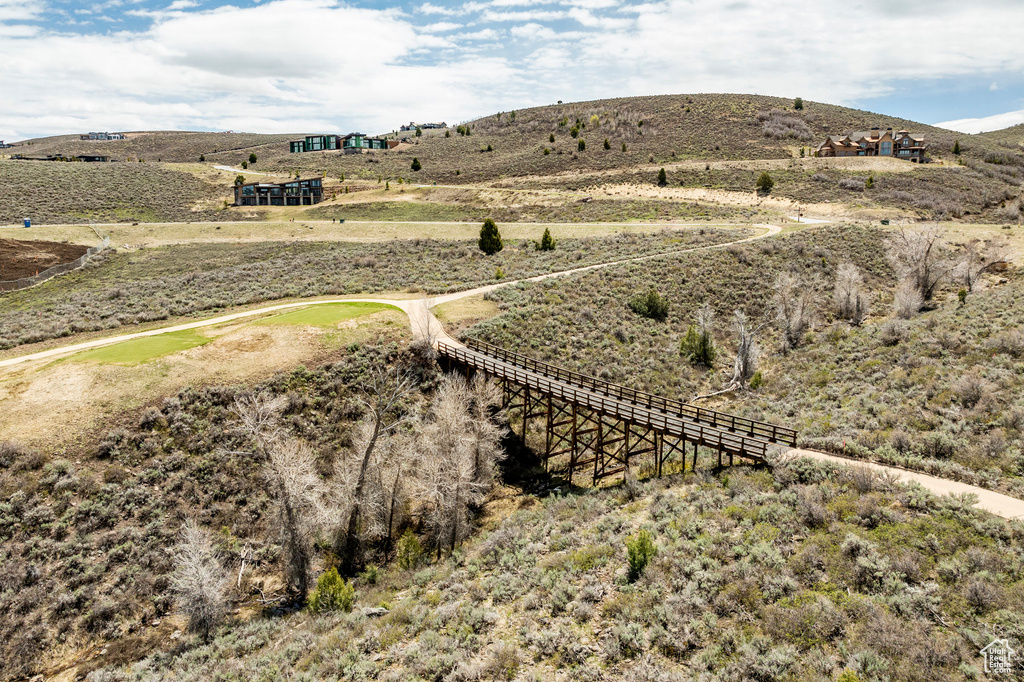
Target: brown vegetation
x,y
26,258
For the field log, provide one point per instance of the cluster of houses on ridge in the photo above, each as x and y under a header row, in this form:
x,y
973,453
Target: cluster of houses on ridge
x,y
875,142
89,158
423,126
101,137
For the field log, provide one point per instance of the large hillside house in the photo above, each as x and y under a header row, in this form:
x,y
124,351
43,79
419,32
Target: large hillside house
x,y
350,144
315,143
293,193
102,137
355,143
875,142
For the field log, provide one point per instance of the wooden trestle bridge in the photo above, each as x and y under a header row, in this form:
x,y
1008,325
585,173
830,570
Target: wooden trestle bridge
x,y
600,428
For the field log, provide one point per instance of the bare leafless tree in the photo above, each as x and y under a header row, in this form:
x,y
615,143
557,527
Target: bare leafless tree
x,y
447,482
705,318
485,397
852,302
976,257
382,397
794,308
921,256
907,300
260,415
199,581
306,504
748,352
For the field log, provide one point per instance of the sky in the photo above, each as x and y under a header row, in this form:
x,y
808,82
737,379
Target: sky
x,y
295,66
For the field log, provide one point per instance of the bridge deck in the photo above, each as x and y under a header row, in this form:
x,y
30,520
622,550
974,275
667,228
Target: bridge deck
x,y
719,420
640,415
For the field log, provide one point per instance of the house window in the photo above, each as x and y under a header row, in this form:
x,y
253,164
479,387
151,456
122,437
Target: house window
x,y
906,142
886,149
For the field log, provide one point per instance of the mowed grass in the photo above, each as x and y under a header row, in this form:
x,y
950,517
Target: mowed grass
x,y
326,315
137,351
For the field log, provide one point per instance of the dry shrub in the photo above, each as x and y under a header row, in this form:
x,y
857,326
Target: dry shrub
x,y
893,332
907,300
972,390
780,125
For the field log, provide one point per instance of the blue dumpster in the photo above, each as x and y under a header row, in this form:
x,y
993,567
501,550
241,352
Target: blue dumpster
x,y
28,222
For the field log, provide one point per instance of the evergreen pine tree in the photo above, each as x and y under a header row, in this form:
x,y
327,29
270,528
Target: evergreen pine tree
x,y
416,164
607,145
765,183
662,178
547,243
490,238
956,147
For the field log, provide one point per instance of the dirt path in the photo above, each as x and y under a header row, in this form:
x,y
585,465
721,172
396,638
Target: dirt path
x,y
426,325
996,503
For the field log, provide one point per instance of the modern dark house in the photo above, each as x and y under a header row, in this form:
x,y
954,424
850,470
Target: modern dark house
x,y
294,193
875,142
5,146
315,143
102,136
354,143
351,144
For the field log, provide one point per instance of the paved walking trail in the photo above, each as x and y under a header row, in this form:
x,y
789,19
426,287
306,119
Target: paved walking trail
x,y
425,325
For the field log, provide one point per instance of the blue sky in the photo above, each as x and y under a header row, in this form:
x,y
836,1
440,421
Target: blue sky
x,y
304,65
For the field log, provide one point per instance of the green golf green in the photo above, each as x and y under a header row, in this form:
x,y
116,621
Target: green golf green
x,y
326,314
140,350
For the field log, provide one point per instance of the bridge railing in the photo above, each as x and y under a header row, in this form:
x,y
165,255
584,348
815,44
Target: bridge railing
x,y
721,420
640,415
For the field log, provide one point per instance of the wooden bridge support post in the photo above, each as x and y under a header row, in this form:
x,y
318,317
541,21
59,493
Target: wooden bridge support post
x,y
550,429
625,447
526,411
659,446
599,450
573,452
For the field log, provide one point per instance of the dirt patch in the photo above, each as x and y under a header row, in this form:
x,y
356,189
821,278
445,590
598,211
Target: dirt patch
x,y
26,258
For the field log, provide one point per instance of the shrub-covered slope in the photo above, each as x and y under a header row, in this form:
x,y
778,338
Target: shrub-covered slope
x,y
153,284
804,573
941,392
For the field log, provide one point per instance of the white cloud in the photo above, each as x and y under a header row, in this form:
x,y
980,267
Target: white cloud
x,y
19,10
261,62
441,27
986,124
428,8
993,87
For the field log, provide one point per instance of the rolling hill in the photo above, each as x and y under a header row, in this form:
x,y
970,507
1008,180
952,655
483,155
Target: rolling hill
x,y
710,143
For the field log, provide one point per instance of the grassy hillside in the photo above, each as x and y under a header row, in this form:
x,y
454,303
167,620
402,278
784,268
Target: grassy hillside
x,y
54,192
802,573
1011,138
798,573
133,287
695,137
940,392
168,146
